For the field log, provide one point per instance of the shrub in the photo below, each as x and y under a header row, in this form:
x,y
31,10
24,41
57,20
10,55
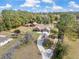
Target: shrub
x,y
60,50
17,31
47,43
54,30
61,35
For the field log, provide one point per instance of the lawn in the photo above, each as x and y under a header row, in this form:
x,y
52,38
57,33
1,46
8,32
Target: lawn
x,y
73,49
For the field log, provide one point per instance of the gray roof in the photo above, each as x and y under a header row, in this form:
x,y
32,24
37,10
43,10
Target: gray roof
x,y
2,39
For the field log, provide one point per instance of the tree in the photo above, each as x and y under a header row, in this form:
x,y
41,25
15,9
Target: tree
x,y
60,50
67,25
67,21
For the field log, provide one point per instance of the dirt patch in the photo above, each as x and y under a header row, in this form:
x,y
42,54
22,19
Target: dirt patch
x,y
73,49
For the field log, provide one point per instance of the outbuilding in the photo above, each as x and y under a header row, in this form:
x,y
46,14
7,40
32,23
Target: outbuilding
x,y
41,28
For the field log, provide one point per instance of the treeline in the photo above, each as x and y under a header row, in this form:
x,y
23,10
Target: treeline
x,y
69,26
12,19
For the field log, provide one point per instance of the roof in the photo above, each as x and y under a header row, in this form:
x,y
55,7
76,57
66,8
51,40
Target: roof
x,y
41,26
3,38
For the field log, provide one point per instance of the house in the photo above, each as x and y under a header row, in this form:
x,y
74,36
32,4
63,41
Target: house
x,y
41,27
30,24
4,40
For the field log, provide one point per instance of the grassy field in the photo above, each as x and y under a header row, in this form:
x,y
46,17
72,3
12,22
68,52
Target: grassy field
x,y
73,49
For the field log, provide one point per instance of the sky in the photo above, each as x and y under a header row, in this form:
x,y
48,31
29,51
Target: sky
x,y
41,5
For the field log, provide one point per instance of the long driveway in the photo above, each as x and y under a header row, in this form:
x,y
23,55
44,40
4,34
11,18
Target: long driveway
x,y
46,53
